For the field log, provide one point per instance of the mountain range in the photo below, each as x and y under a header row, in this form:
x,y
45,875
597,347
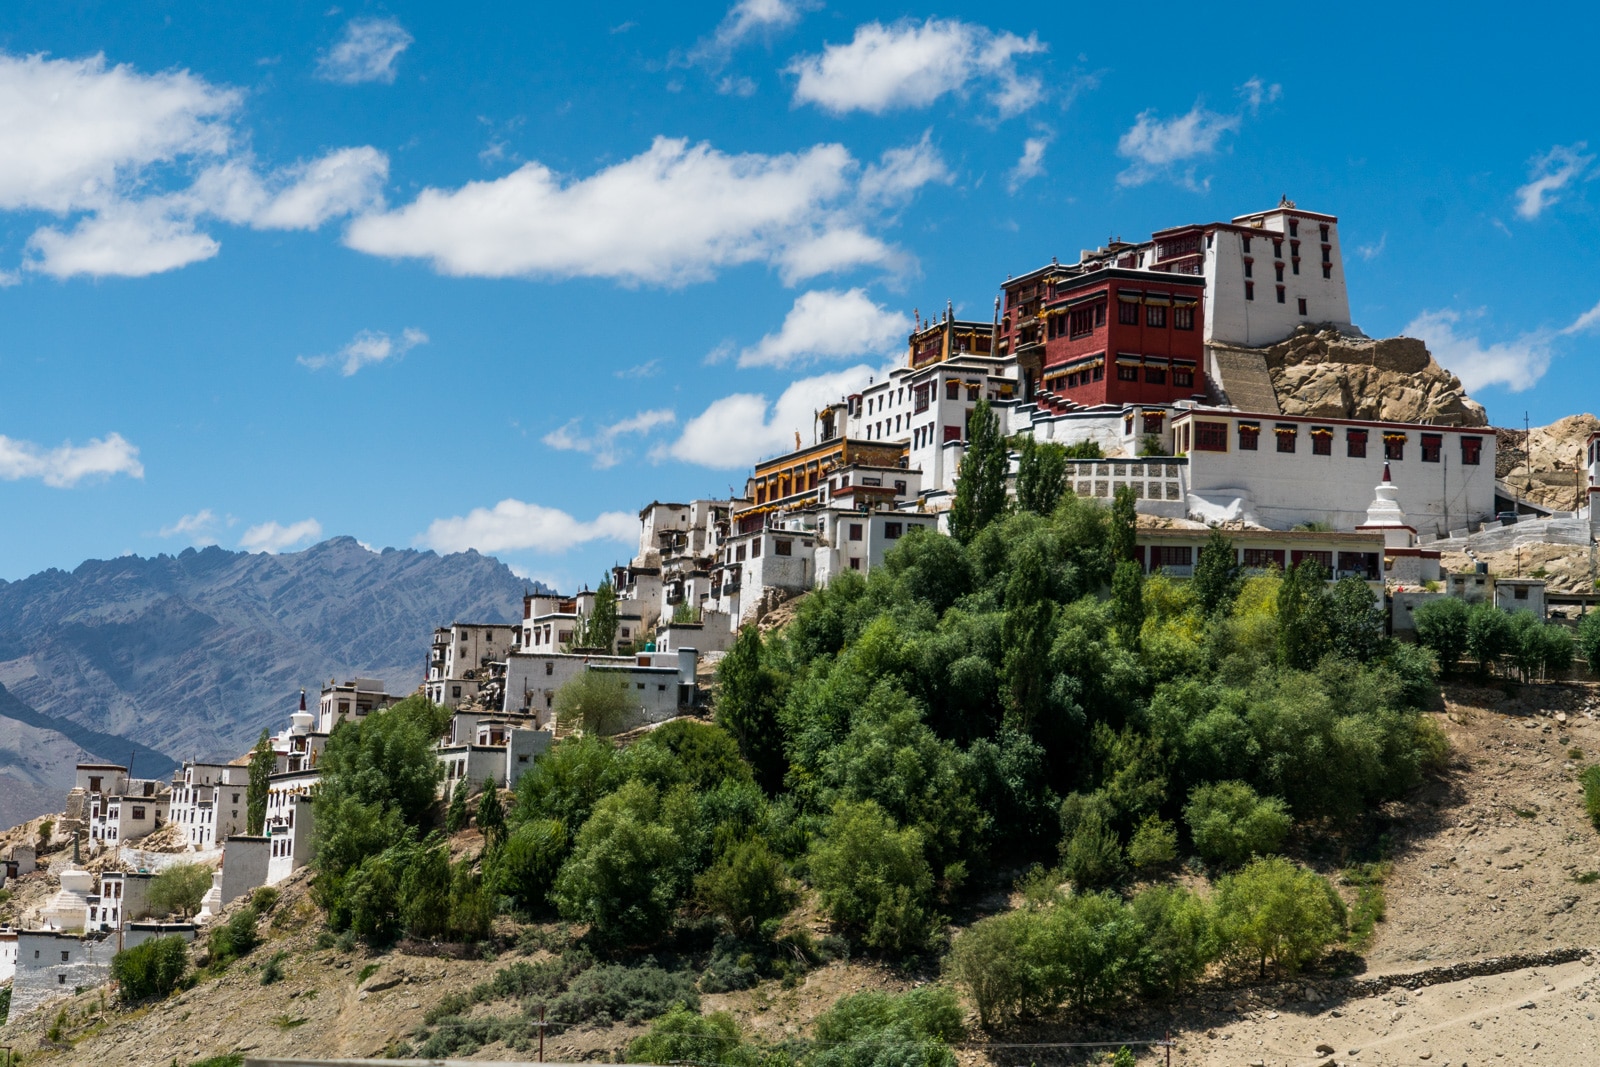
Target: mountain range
x,y
191,656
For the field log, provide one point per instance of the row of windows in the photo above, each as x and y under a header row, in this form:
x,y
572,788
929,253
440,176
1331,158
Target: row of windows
x,y
1213,437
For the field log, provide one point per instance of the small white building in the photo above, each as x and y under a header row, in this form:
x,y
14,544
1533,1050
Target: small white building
x,y
209,801
1520,594
858,540
1405,562
464,657
123,897
53,963
1592,458
355,699
290,825
663,684
8,953
490,747
1281,471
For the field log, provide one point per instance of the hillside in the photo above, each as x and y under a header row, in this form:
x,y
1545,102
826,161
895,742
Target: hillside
x,y
191,655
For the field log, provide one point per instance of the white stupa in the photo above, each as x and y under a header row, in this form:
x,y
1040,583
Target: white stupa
x,y
1387,517
69,908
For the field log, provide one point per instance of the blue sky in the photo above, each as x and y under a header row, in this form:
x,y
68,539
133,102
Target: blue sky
x,y
498,275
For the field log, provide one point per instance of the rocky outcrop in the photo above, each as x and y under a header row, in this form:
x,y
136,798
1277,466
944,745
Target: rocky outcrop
x,y
1326,374
1544,464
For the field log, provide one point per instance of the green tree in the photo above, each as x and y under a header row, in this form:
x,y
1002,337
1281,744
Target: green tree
x,y
1442,629
620,877
1230,823
987,959
746,888
1589,640
597,701
179,889
1275,912
1127,602
1178,940
875,1029
1122,533
568,780
1088,449
981,483
1153,844
235,938
1217,577
262,762
685,1036
872,878
1355,621
424,898
1303,615
749,694
1537,648
600,628
1091,852
150,970
1489,636
457,816
1041,476
524,868
491,815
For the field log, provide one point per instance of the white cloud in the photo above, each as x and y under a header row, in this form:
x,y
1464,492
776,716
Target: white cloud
x,y
1589,320
67,465
1030,165
366,52
512,525
1159,147
835,250
270,537
1372,252
1517,364
365,348
199,528
1255,92
830,324
738,430
900,172
603,444
106,149
672,215
1548,175
907,65
750,18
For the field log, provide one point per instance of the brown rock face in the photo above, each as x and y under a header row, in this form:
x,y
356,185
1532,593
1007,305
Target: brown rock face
x,y
1325,374
1544,465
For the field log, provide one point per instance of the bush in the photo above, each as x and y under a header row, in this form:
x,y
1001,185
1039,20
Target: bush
x,y
685,1036
272,970
1489,635
621,877
1589,641
1591,792
987,959
235,938
614,993
879,1030
1092,856
599,702
746,888
1154,844
1230,823
1178,938
1275,912
1442,629
264,899
179,889
151,970
525,867
1537,648
872,878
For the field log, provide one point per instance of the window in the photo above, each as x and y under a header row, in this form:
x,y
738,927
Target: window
x,y
1183,378
1327,270
1249,268
549,668
1286,437
1356,444
952,390
1153,421
855,563
1432,447
1128,312
1155,375
1294,227
1081,322
94,785
1100,314
892,530
782,548
1262,558
972,392
66,957
1211,436
1321,441
1171,556
455,691
952,433
899,488
1394,446
920,397
1245,241
1278,268
1249,436
1471,451
1249,290
1155,316
755,549
638,685
1183,317
138,813
1280,294
855,531
1302,305
1324,229
1127,372
1277,249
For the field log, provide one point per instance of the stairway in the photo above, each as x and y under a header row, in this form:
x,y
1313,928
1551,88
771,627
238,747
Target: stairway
x,y
1239,379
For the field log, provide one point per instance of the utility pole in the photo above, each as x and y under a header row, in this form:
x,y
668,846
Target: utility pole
x,y
541,1033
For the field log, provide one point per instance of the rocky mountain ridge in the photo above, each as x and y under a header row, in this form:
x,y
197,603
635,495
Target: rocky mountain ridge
x,y
192,655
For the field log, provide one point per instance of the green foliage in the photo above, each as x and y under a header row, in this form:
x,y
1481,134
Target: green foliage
x,y
1591,792
1489,636
875,1029
1442,629
5,1002
872,878
1154,844
1589,641
491,815
1122,533
567,781
411,889
1091,853
749,693
150,970
1041,475
600,627
47,833
235,938
1217,576
1273,912
264,899
179,889
747,888
1230,823
1089,449
597,701
685,1036
272,970
1177,938
615,993
456,816
981,483
1371,904
622,874
1303,615
1538,649
1127,601
524,869
262,763
1355,620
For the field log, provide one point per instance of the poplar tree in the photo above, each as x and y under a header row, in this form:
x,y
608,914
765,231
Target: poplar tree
x,y
455,819
600,631
491,815
262,760
981,485
1041,476
1216,574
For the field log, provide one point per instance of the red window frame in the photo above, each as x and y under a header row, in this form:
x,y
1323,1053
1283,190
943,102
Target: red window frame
x,y
1211,437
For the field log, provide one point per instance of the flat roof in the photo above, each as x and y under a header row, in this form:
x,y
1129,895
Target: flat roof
x,y
1256,416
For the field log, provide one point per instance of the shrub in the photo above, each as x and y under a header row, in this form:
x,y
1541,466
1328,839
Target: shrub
x,y
873,879
614,993
264,899
599,702
1489,635
1274,912
150,970
879,1030
987,959
746,888
1154,844
567,781
1087,949
5,1003
685,1036
1589,641
1230,823
235,938
455,817
1591,793
272,970
179,889
1442,629
1538,648
1178,938
47,832
1091,854
620,877
525,867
